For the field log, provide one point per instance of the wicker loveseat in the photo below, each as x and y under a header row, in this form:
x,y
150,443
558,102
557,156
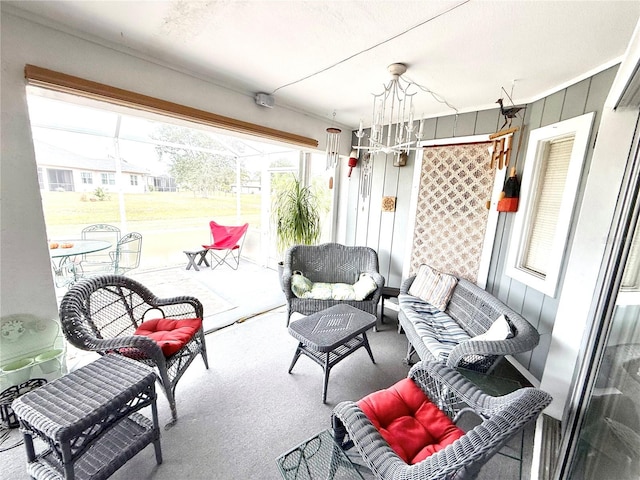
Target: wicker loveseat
x,y
330,263
448,337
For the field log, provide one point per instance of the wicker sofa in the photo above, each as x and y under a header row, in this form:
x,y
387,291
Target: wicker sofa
x,y
470,312
330,263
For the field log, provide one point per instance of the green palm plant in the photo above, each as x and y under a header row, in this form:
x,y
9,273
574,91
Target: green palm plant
x,y
296,214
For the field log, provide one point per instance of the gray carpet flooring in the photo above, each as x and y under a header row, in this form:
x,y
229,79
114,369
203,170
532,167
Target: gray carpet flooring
x,y
236,418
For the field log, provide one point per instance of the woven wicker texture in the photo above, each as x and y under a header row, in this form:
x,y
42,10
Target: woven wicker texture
x,y
502,417
474,309
88,419
100,314
451,216
326,330
330,263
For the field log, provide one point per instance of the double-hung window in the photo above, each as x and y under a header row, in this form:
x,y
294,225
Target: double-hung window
x,y
108,178
550,182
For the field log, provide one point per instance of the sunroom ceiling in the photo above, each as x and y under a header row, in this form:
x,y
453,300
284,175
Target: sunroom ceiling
x,y
326,56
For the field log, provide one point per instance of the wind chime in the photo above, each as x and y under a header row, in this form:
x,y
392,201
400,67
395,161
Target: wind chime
x,y
500,152
501,148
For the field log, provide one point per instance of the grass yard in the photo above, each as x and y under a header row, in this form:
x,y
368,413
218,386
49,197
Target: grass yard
x,y
169,222
69,208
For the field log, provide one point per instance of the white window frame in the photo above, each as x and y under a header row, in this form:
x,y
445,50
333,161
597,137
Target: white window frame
x,y
580,127
107,178
86,178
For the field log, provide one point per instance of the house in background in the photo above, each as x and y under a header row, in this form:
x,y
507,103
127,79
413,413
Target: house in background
x,y
573,323
60,170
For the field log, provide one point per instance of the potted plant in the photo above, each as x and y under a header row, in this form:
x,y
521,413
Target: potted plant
x,y
296,215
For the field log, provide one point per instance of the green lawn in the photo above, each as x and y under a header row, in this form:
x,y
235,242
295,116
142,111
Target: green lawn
x,y
65,208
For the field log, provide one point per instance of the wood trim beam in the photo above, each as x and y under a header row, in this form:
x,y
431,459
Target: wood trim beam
x,y
42,77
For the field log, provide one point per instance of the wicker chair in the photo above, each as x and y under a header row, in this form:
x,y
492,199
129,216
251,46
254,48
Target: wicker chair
x,y
501,418
101,314
330,263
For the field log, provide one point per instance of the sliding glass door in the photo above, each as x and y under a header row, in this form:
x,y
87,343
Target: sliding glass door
x,y
601,433
609,442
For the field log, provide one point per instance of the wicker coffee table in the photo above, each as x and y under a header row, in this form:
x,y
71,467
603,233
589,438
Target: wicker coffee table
x,y
331,335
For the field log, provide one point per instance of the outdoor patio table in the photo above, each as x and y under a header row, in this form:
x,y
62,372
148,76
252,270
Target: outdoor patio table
x,y
192,256
80,247
331,335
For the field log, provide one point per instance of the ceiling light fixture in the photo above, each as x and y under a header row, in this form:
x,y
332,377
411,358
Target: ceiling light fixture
x,y
392,126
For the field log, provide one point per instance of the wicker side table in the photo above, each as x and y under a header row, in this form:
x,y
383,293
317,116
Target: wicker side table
x,y
89,421
319,457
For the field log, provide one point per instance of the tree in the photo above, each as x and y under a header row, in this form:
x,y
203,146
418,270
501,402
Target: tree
x,y
197,161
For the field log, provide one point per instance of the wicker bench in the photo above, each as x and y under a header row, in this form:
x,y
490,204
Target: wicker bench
x,y
473,310
330,263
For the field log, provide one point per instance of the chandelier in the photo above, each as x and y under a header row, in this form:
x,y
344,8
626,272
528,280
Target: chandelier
x,y
392,126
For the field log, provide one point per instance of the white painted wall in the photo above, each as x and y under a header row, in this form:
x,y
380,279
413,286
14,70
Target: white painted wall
x,y
26,284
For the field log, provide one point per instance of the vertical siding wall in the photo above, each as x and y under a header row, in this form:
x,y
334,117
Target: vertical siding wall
x,y
389,232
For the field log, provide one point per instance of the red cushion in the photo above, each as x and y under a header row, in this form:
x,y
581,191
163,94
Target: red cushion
x,y
411,424
170,334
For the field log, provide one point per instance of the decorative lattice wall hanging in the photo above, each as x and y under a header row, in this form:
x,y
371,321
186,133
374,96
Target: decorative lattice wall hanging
x,y
451,214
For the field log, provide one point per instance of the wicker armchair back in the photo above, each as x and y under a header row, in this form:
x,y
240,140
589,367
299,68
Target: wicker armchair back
x,y
101,314
330,263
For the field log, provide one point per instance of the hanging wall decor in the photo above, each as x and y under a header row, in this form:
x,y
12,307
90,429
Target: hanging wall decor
x,y
501,148
510,194
388,204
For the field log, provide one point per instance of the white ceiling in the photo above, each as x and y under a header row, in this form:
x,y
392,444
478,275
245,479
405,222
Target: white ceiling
x,y
465,51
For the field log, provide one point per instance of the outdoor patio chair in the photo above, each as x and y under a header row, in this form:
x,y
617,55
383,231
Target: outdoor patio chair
x,y
100,231
125,257
115,314
412,430
127,254
227,244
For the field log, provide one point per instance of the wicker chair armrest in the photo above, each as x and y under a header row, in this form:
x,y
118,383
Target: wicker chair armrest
x,y
193,306
406,284
287,273
526,338
375,451
138,346
447,388
508,346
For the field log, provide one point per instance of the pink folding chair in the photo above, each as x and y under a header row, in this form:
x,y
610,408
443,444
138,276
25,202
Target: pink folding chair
x,y
227,244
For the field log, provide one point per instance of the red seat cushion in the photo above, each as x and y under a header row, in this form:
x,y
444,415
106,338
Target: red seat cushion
x,y
170,334
411,424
